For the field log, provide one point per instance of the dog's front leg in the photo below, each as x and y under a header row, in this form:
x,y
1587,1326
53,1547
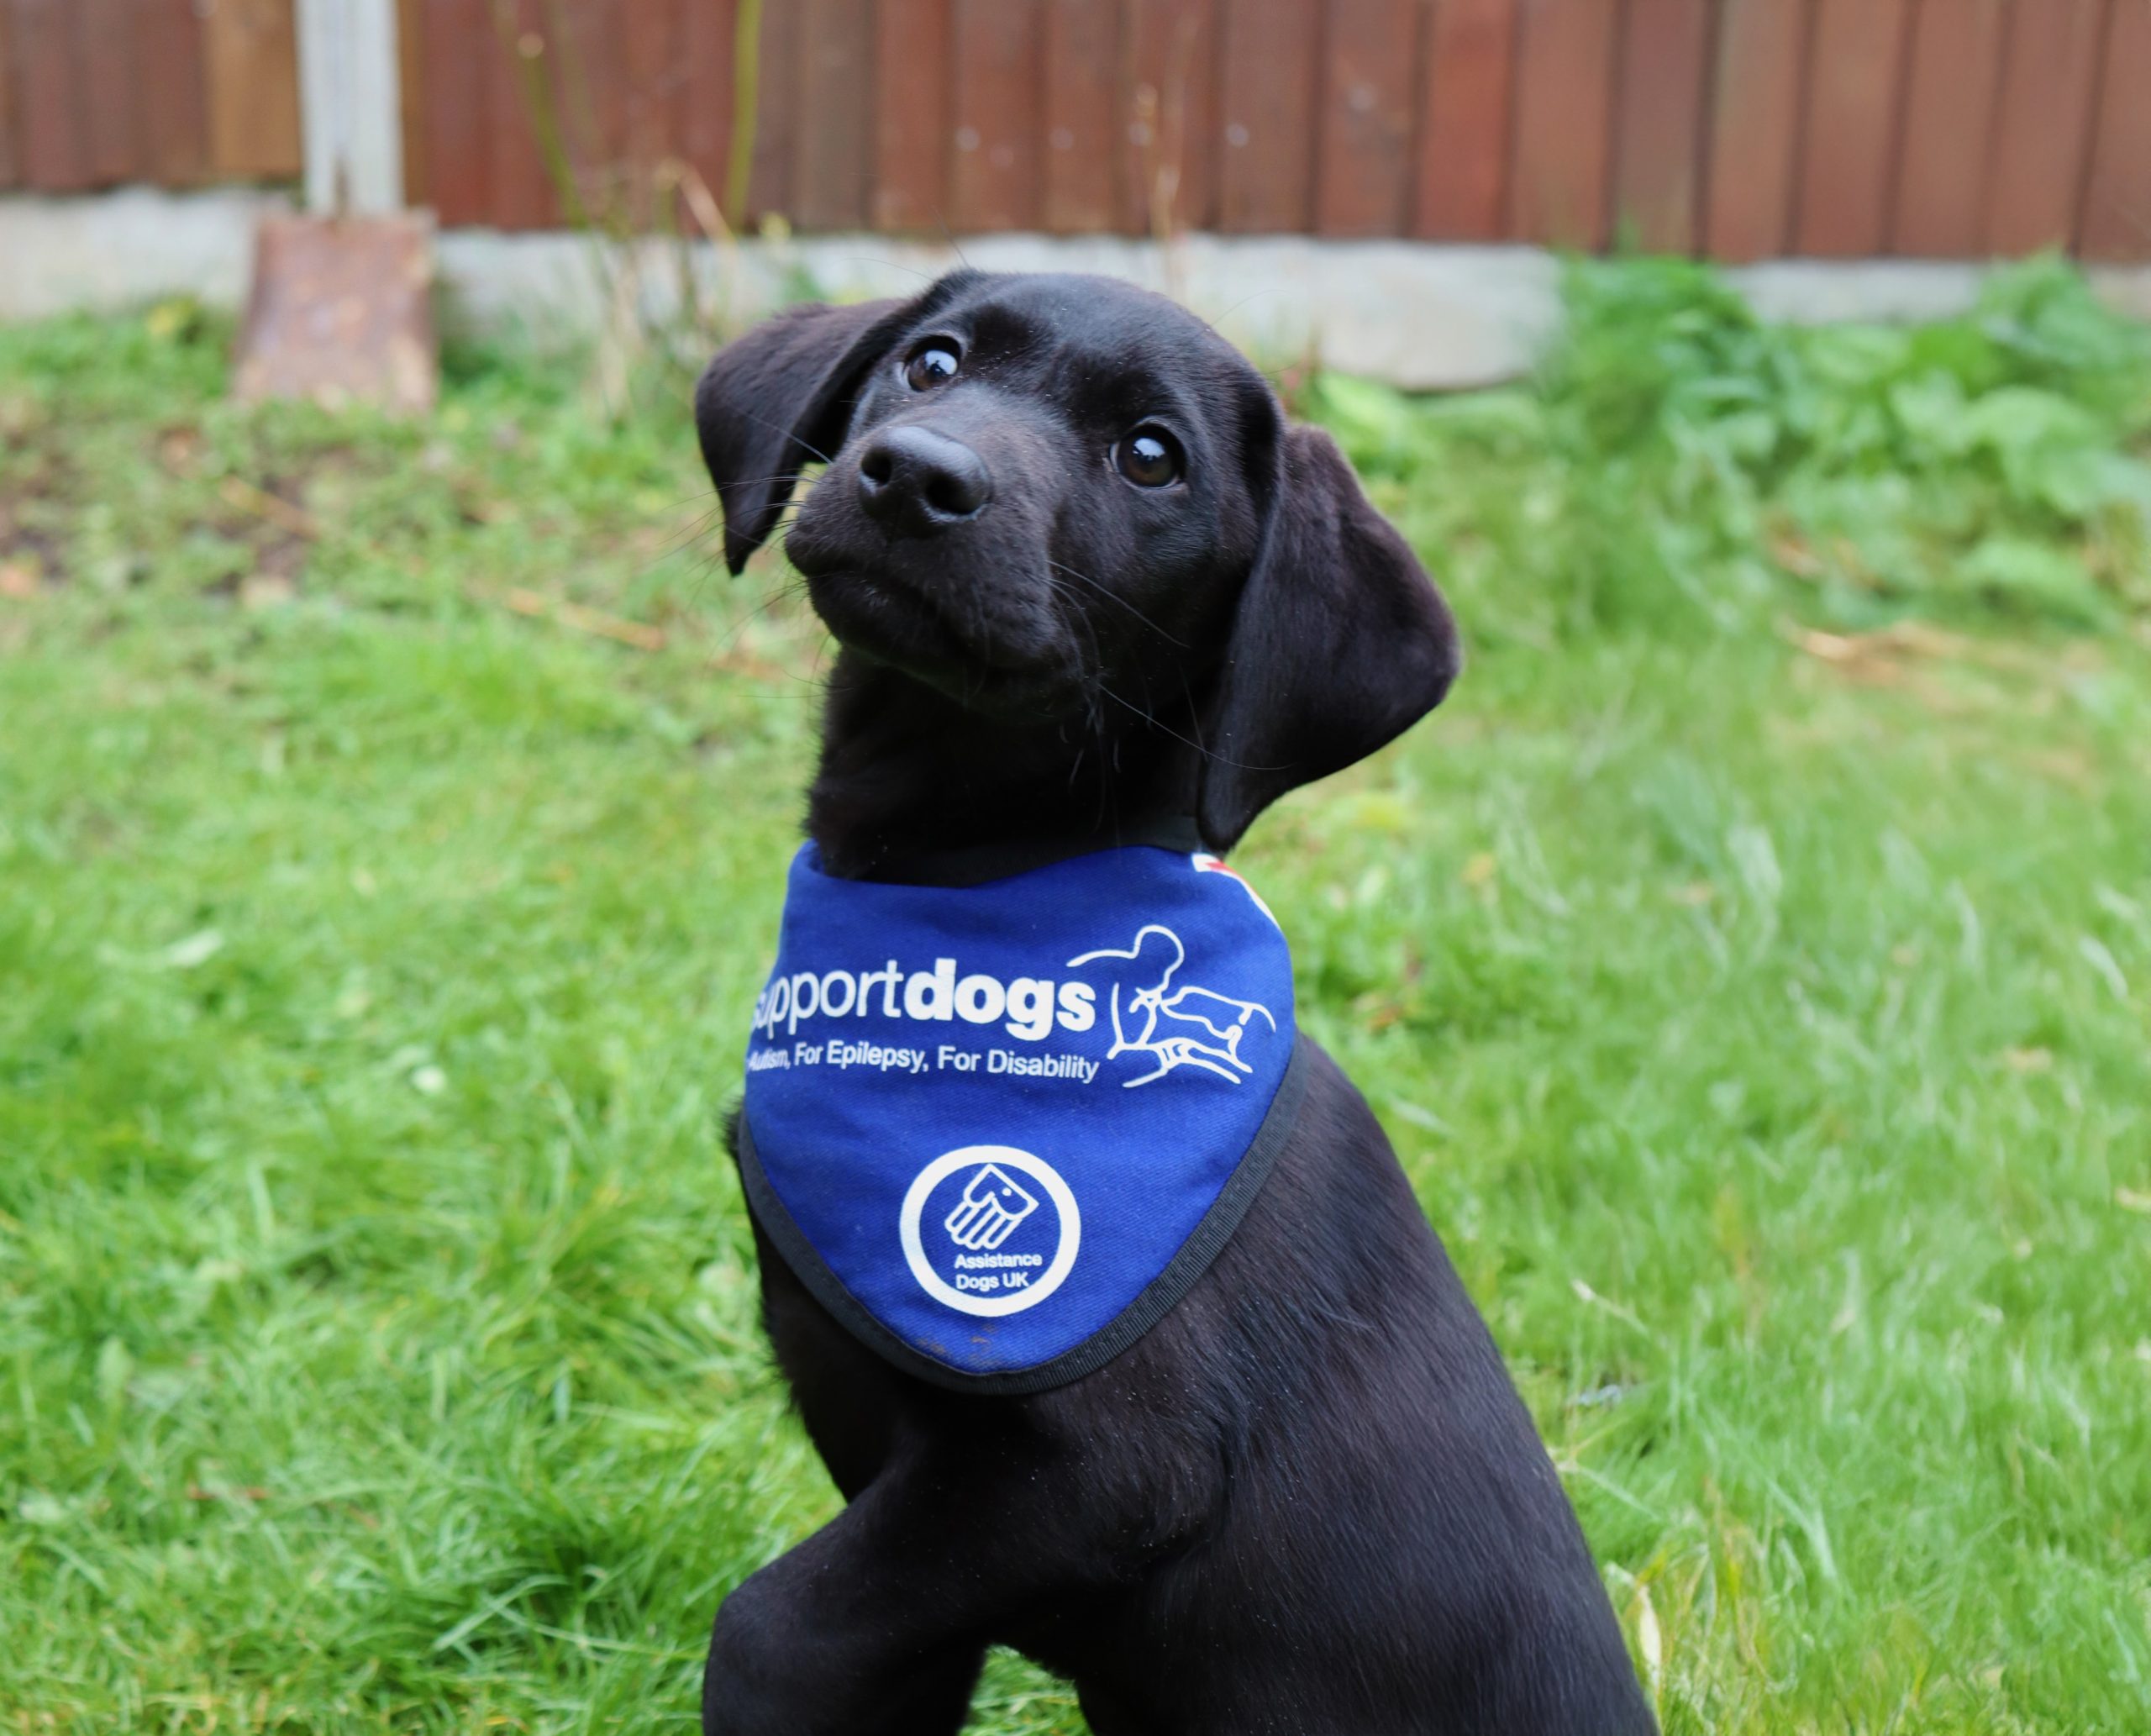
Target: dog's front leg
x,y
876,1625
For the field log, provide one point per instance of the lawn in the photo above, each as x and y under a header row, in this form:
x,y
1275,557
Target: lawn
x,y
1752,963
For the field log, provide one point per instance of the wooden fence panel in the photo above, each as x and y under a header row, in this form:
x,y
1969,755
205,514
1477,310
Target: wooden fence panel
x,y
1564,121
2042,123
251,49
526,60
105,45
1083,128
1367,103
592,91
836,148
1169,164
174,122
1657,149
999,69
2116,221
1848,158
776,114
1466,101
651,72
10,165
1268,74
1754,142
1941,177
702,95
911,114
459,60
49,112
411,58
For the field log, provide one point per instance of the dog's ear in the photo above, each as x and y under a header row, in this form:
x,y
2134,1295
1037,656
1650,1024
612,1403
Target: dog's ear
x,y
1339,642
780,397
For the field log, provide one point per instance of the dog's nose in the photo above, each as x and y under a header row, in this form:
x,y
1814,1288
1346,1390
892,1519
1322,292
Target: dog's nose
x,y
917,482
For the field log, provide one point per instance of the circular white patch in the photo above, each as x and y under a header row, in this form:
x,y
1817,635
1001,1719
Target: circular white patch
x,y
986,1158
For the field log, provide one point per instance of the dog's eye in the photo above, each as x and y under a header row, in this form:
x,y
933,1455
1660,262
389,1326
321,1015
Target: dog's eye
x,y
931,365
1150,458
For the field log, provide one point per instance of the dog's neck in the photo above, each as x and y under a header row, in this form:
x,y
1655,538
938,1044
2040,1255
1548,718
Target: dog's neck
x,y
912,786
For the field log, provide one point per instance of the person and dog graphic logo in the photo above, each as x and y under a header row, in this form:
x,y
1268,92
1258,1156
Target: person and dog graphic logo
x,y
1175,1024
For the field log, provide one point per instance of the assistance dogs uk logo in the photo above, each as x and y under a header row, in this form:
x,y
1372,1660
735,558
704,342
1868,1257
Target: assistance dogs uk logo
x,y
990,1230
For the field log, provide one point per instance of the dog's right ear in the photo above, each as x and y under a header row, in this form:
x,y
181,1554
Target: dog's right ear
x,y
780,397
1340,641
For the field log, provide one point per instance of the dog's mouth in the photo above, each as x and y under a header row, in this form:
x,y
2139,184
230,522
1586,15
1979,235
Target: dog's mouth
x,y
973,657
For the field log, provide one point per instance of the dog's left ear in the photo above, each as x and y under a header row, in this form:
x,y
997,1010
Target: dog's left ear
x,y
778,398
1339,642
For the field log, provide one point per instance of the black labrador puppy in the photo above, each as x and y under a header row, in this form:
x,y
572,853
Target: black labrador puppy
x,y
1089,587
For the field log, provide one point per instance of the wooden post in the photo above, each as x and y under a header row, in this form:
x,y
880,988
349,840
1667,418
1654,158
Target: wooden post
x,y
351,104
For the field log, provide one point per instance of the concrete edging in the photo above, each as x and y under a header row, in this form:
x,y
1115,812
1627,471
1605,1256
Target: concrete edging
x,y
1416,314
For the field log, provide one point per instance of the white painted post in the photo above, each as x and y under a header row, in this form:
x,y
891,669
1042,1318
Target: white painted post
x,y
351,99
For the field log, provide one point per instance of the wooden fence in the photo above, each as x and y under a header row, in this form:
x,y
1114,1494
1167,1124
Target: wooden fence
x,y
176,93
1743,129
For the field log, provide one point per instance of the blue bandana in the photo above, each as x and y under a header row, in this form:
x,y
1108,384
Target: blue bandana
x,y
998,1130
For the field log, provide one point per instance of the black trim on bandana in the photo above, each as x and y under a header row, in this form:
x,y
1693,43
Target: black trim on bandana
x,y
978,864
1149,1306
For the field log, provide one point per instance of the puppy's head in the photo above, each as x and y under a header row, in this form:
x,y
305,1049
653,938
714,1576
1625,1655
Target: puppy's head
x,y
1053,497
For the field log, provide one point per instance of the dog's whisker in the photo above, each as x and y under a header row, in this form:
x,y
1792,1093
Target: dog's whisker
x,y
1113,595
791,434
1211,754
1096,660
685,536
774,476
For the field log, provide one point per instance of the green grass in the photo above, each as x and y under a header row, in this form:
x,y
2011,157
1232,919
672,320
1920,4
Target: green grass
x,y
1752,963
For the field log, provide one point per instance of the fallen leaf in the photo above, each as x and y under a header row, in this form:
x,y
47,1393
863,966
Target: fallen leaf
x,y
2095,953
1648,1640
38,1508
177,449
293,521
639,633
264,590
168,319
195,949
